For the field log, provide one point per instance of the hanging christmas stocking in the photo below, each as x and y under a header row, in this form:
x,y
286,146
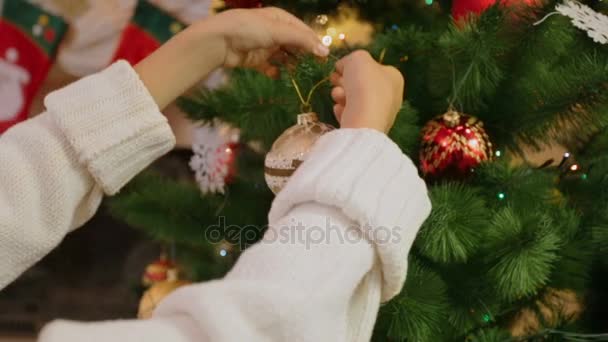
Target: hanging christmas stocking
x,y
147,31
29,38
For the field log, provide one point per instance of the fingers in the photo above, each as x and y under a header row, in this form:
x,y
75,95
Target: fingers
x,y
357,57
338,110
338,95
335,79
396,76
340,65
289,35
287,30
286,17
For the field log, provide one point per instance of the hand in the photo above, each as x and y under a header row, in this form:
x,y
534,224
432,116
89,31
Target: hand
x,y
251,37
367,94
246,38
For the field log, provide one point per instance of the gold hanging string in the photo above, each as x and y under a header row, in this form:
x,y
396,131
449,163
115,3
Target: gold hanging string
x,y
295,85
382,54
306,105
314,88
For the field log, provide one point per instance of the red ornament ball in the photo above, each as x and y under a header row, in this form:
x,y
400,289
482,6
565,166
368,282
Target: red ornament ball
x,y
244,3
453,144
462,8
157,271
231,150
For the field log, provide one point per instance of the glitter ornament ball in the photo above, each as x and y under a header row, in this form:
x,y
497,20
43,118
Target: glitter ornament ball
x,y
453,144
291,149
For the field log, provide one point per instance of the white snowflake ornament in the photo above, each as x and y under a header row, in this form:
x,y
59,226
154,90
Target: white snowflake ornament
x,y
214,155
585,18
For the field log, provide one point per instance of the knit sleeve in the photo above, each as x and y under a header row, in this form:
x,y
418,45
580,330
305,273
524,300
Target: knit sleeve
x,y
367,177
337,243
54,169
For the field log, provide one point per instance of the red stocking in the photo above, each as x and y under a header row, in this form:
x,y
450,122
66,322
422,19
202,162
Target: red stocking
x,y
147,31
29,38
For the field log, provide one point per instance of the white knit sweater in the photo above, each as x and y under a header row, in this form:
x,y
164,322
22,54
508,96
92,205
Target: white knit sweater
x,y
337,244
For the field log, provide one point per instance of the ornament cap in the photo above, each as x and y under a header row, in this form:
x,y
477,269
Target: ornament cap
x,y
451,118
307,118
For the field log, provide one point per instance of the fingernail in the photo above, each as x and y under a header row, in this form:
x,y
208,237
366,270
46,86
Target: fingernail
x,y
321,50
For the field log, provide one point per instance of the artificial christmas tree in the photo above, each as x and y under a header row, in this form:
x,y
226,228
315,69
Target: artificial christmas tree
x,y
498,243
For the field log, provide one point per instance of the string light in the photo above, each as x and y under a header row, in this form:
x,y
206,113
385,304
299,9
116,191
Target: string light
x,y
322,19
473,143
347,20
228,150
428,2
498,153
486,318
223,252
584,176
501,196
574,167
567,155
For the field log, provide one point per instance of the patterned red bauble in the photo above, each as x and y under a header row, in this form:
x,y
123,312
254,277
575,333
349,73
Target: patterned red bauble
x,y
243,3
453,144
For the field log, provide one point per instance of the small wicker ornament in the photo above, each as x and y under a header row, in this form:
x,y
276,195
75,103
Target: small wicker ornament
x,y
453,144
291,149
153,296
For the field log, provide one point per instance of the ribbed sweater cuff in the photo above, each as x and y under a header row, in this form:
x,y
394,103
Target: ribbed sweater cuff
x,y
365,174
113,124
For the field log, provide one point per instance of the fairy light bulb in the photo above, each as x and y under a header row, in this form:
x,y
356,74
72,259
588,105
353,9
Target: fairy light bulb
x,y
574,167
322,19
342,36
501,196
327,40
